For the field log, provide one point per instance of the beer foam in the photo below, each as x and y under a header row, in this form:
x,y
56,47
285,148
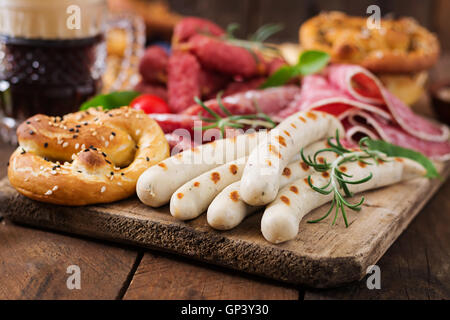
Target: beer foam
x,y
51,19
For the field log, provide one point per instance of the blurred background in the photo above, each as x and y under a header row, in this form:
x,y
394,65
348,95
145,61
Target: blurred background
x,y
161,15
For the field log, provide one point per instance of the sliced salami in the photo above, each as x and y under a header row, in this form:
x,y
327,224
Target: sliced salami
x,y
366,108
365,87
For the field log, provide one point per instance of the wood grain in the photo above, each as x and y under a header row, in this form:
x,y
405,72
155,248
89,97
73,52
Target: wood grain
x,y
34,264
166,278
320,256
416,266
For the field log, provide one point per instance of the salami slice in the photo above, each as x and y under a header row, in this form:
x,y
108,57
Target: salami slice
x,y
362,123
365,87
366,108
270,101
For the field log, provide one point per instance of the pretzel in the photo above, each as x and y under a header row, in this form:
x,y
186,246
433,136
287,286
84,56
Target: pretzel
x,y
399,46
86,157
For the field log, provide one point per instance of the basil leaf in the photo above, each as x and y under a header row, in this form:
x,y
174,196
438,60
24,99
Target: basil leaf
x,y
111,100
309,62
312,61
396,151
280,77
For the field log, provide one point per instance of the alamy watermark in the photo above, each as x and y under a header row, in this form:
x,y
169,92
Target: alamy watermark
x,y
374,280
74,280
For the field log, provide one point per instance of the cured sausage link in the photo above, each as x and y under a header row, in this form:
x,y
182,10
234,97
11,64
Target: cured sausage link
x,y
261,178
216,54
281,219
183,83
157,184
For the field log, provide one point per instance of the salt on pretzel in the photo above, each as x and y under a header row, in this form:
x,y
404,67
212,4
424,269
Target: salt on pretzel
x,y
85,157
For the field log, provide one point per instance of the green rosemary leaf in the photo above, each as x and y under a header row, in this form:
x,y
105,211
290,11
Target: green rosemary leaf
x,y
266,31
221,105
355,181
326,214
395,151
231,28
209,110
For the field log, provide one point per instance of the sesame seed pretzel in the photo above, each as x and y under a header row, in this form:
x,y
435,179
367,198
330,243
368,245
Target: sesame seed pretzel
x,y
86,157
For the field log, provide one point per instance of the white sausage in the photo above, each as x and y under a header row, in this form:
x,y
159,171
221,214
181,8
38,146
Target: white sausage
x,y
261,179
157,184
194,197
281,219
227,210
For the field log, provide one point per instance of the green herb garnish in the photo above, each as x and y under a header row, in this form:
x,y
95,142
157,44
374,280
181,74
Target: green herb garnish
x,y
309,62
111,100
376,150
259,119
256,40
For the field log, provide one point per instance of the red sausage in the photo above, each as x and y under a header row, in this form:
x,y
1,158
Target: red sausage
x,y
242,86
153,65
183,82
191,26
218,55
212,82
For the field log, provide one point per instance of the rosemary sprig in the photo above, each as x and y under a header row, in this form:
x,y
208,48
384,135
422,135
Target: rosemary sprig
x,y
256,40
339,180
259,119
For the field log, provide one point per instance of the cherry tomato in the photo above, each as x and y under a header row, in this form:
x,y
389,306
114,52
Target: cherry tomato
x,y
150,103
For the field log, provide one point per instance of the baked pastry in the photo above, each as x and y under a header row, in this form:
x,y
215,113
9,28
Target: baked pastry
x,y
399,46
86,157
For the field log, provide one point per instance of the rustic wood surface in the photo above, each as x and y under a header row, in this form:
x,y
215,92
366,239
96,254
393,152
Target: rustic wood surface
x,y
417,266
33,265
162,277
321,255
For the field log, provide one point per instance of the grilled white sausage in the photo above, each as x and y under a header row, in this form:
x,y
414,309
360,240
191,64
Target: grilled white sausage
x,y
194,197
157,184
227,210
280,221
261,178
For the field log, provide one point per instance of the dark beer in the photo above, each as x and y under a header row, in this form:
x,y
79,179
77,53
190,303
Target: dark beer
x,y
52,55
48,76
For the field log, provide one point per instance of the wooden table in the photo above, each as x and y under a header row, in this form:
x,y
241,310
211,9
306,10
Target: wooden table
x,y
33,265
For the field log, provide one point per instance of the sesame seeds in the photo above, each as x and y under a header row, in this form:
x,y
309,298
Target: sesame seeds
x,y
55,188
49,192
103,189
77,146
65,144
147,159
45,144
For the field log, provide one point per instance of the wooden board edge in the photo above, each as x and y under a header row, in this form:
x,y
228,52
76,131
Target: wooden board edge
x,y
204,246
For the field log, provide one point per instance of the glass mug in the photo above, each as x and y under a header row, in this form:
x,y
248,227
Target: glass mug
x,y
52,56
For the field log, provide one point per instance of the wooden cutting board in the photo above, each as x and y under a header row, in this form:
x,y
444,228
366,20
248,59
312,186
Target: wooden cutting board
x,y
321,256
